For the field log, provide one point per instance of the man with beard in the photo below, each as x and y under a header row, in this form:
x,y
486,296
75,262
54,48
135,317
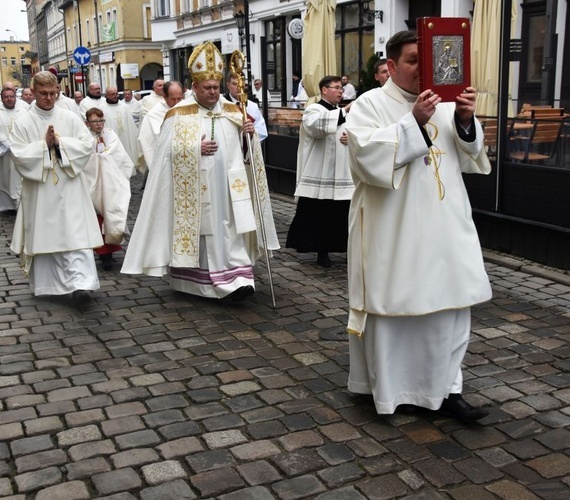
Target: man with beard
x,y
10,179
118,118
56,226
196,221
92,100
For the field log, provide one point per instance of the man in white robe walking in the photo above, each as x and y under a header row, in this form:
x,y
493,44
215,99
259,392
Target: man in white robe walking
x,y
119,119
152,122
93,98
251,108
155,97
56,226
196,221
10,179
134,106
414,258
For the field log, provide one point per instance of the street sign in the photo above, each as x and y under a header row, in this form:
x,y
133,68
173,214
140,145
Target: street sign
x,y
79,77
82,56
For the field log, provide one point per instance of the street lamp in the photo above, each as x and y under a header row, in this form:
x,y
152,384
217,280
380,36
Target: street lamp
x,y
378,14
12,31
242,21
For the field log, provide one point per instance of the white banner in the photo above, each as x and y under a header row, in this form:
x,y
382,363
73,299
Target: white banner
x,y
230,41
129,70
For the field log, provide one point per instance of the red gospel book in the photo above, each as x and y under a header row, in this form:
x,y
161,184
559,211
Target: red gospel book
x,y
444,55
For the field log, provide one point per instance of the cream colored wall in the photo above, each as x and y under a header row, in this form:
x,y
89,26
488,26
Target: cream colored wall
x,y
12,49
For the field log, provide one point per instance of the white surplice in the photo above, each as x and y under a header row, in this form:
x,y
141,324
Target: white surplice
x,y
323,171
108,173
66,103
88,103
56,214
415,262
134,106
118,118
10,179
196,219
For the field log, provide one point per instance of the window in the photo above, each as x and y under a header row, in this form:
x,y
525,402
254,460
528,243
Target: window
x,y
186,6
13,61
88,32
4,61
2,49
354,40
161,8
22,49
274,30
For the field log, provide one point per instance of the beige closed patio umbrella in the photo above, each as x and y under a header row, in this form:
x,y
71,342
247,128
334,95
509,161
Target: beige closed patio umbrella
x,y
319,53
485,43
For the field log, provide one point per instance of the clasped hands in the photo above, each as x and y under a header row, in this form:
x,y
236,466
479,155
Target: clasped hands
x,y
425,105
52,139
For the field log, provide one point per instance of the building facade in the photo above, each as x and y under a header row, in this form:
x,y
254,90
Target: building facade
x,y
15,65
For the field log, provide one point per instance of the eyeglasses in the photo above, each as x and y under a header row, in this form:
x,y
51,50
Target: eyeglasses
x,y
335,88
96,122
48,94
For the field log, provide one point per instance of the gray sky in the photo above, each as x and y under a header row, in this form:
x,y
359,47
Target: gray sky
x,y
11,18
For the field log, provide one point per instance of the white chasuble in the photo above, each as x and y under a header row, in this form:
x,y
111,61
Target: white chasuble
x,y
197,214
10,179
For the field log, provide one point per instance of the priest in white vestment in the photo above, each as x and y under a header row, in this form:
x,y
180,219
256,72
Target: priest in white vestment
x,y
414,258
119,119
10,179
156,96
56,226
93,98
134,106
324,183
67,103
108,173
152,122
196,221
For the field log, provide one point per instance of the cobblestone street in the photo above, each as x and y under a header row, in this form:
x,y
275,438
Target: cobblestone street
x,y
145,393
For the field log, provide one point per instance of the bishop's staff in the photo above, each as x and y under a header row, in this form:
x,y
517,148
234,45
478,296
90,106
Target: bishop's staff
x,y
236,68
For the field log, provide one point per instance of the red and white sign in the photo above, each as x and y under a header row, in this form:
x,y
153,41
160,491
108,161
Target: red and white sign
x,y
79,77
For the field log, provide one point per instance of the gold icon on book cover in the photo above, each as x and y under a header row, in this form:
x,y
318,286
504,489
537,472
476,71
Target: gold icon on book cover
x,y
447,53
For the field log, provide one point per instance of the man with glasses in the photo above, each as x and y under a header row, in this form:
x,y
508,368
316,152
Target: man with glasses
x,y
324,183
108,173
56,226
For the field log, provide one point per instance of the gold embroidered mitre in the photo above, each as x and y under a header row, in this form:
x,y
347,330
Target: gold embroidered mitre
x,y
206,63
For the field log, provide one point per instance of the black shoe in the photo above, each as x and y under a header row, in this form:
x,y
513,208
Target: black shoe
x,y
242,293
323,259
456,407
408,409
80,297
107,260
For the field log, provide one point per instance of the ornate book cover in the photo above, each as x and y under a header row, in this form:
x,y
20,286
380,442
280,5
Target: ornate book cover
x,y
444,55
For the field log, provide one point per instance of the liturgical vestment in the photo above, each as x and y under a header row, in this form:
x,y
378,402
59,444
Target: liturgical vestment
x,y
56,215
197,219
414,258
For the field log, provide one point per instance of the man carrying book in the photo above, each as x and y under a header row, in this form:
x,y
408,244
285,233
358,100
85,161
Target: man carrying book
x,y
414,258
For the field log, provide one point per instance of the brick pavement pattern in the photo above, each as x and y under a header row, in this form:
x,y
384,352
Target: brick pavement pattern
x,y
151,394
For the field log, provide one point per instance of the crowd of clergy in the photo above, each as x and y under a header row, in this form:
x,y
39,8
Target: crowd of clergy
x,y
379,176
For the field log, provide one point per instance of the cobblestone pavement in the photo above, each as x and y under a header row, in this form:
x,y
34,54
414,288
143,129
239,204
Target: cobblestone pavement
x,y
147,393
